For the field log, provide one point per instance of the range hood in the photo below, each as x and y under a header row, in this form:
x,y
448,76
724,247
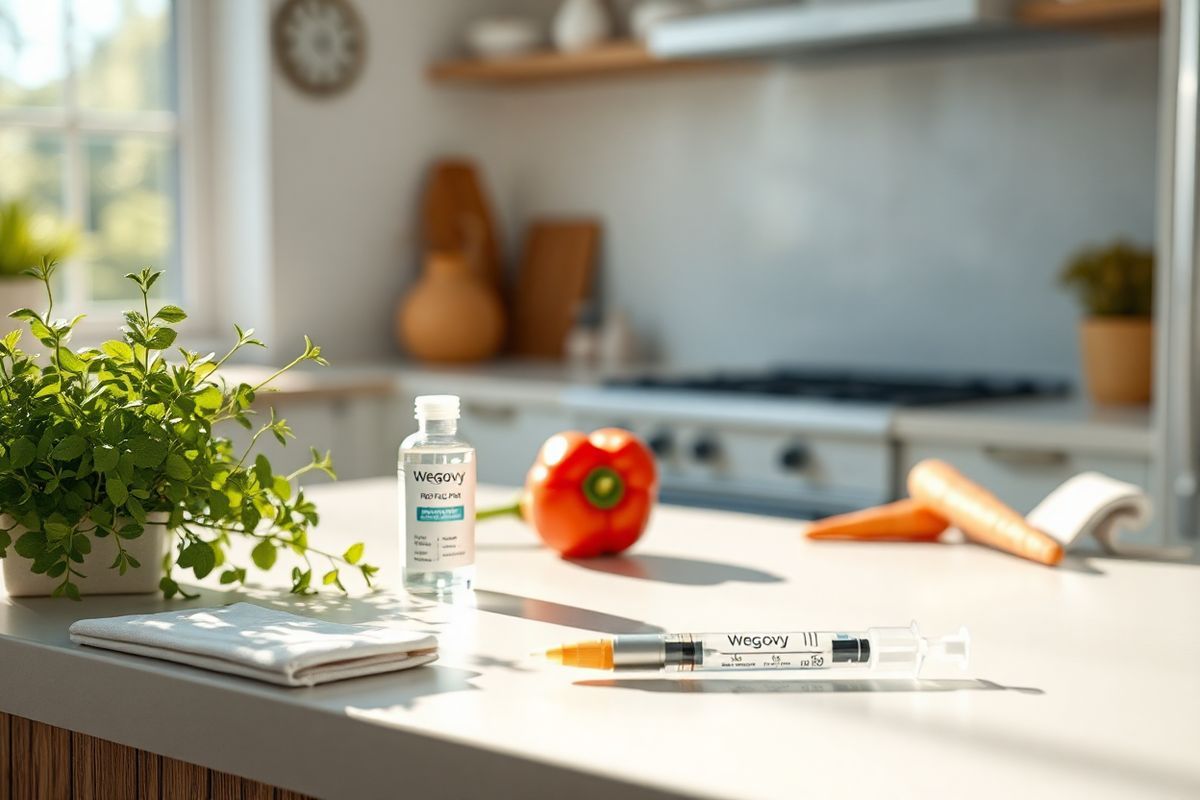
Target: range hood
x,y
810,24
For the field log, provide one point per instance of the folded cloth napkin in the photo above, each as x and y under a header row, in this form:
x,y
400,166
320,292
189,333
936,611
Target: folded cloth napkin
x,y
261,643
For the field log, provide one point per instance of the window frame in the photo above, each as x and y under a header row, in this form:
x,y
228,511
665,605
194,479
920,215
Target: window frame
x,y
185,126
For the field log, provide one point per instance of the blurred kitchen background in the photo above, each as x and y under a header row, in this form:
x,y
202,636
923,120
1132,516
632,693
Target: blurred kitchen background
x,y
797,246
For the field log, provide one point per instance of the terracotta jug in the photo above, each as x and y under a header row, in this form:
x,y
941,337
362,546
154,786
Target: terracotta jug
x,y
451,314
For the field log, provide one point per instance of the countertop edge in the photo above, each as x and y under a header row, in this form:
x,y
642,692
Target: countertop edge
x,y
205,720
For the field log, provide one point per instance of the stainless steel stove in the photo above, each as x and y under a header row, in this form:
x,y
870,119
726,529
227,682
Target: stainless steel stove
x,y
796,442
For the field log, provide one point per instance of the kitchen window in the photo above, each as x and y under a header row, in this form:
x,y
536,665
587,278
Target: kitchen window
x,y
94,128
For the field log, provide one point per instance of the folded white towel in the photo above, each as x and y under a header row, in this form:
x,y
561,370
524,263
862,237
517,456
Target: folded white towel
x,y
261,643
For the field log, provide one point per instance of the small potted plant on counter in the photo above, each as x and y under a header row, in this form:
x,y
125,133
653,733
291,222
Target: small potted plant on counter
x,y
1116,286
112,473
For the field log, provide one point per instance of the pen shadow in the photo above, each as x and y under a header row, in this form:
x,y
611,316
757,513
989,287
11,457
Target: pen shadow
x,y
513,605
770,686
672,569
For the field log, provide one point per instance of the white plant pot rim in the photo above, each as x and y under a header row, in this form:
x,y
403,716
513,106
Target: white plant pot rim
x,y
148,549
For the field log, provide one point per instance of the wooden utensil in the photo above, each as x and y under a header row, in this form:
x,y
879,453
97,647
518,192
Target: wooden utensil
x,y
456,216
554,280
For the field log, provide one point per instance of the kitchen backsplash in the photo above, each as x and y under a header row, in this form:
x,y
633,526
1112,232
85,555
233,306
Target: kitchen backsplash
x,y
909,210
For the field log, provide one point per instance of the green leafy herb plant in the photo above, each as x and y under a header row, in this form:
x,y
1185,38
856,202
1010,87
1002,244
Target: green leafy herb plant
x,y
1112,281
97,441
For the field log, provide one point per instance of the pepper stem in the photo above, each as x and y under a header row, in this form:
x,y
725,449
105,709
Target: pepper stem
x,y
604,487
513,510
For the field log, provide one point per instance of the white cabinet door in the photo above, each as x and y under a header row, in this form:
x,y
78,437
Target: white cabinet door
x,y
507,436
361,431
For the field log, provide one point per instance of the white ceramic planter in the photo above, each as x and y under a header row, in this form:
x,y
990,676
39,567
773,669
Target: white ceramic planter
x,y
21,292
148,549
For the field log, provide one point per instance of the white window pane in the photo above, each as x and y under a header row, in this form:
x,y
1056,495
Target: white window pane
x,y
32,53
124,54
33,168
132,212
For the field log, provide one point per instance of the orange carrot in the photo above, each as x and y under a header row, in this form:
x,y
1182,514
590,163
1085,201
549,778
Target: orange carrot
x,y
901,521
978,513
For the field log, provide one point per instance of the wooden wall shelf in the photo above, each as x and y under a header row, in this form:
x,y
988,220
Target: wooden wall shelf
x,y
625,58
616,59
1090,13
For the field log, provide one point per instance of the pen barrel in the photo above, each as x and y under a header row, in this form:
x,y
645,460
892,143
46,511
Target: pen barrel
x,y
645,651
894,651
688,652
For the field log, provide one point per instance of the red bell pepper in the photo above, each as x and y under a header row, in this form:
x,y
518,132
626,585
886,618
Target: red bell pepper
x,y
589,494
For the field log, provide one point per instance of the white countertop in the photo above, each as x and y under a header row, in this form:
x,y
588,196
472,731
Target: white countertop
x,y
1082,682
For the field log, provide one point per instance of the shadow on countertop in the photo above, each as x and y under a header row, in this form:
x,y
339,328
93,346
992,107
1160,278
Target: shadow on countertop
x,y
769,686
512,605
672,569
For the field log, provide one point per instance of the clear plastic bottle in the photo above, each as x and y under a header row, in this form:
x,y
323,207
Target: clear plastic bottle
x,y
436,470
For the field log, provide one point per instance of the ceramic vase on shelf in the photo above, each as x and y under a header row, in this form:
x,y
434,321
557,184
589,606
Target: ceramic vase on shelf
x,y
451,314
580,24
1118,359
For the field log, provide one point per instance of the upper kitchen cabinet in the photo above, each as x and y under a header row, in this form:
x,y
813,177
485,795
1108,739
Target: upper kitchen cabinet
x,y
723,39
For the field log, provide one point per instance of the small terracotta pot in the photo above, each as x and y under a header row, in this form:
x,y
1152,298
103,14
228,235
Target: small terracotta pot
x,y
451,314
1118,359
148,549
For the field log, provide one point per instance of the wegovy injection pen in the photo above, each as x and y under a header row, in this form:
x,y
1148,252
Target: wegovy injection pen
x,y
890,650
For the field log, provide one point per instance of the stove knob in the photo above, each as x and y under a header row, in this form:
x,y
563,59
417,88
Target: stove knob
x,y
795,457
661,443
705,449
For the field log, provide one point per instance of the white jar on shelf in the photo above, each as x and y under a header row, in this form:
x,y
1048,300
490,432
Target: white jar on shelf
x,y
581,24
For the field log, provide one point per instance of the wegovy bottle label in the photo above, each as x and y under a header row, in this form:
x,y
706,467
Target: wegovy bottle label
x,y
439,516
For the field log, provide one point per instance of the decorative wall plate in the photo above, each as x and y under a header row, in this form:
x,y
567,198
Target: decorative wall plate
x,y
320,44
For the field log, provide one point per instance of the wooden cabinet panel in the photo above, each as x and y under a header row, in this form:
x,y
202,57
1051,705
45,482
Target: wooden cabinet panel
x,y
231,787
103,770
149,771
41,762
183,781
5,764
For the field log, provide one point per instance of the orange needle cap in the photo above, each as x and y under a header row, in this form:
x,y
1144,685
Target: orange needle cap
x,y
592,654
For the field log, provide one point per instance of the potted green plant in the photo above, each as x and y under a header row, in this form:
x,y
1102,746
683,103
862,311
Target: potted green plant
x,y
1116,287
26,238
113,473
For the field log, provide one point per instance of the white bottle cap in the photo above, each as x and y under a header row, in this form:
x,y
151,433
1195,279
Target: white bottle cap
x,y
436,406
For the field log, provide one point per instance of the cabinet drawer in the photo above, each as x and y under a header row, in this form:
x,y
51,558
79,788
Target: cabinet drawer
x,y
1023,476
507,435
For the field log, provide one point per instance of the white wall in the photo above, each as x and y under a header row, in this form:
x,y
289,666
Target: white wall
x,y
345,175
910,212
